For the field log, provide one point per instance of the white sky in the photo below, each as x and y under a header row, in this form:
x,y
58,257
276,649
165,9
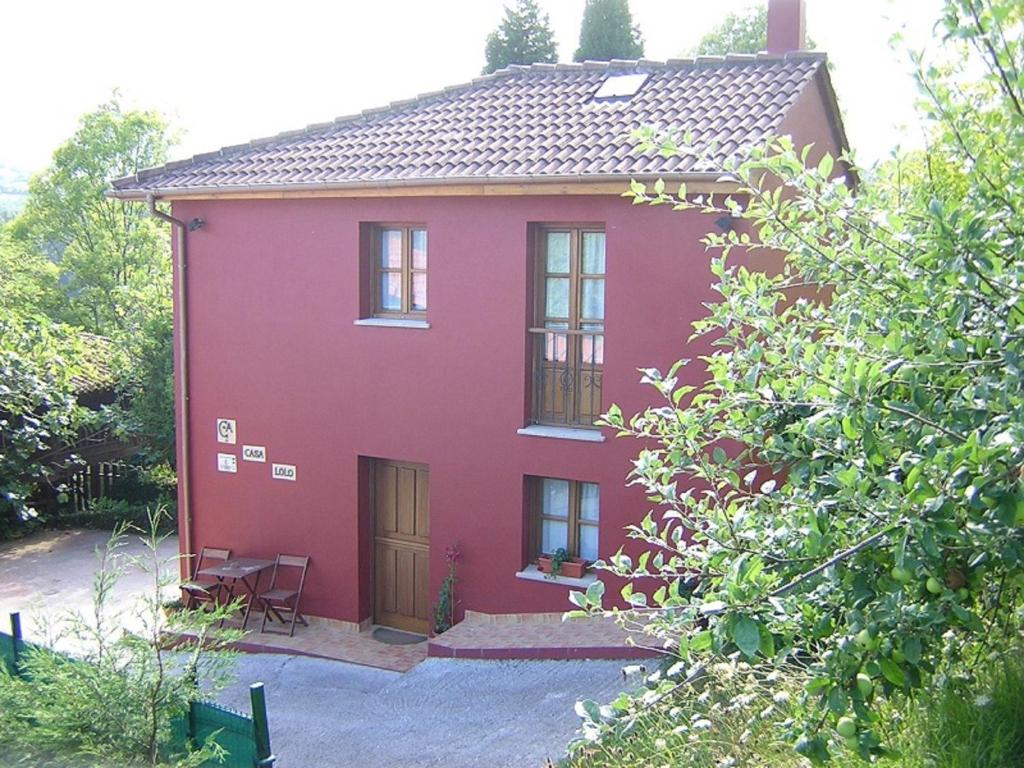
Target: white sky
x,y
226,71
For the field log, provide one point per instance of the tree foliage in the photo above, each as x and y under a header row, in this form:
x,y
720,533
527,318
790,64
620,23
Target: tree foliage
x,y
524,36
39,409
101,265
607,32
745,32
843,496
111,254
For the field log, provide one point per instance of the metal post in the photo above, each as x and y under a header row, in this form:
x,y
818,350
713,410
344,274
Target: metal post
x,y
15,639
261,727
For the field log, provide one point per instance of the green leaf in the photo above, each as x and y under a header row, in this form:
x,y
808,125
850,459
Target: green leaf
x,y
892,672
912,650
747,635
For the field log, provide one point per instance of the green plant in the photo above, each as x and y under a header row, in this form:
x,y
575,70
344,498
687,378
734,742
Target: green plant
x,y
558,557
444,609
117,701
842,479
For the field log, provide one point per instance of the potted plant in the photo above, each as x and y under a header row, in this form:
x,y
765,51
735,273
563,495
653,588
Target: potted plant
x,y
171,607
561,563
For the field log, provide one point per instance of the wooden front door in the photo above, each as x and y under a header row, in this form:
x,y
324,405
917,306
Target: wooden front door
x,y
401,502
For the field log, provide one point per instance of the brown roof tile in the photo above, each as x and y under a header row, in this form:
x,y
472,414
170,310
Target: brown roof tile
x,y
519,123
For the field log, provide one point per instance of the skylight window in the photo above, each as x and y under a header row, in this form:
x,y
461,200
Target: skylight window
x,y
620,86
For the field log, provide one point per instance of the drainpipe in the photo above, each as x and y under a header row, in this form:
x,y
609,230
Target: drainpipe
x,y
180,302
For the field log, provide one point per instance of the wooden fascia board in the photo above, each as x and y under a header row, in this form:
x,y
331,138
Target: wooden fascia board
x,y
699,186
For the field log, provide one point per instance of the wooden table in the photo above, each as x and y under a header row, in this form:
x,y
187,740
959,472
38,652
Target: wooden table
x,y
239,570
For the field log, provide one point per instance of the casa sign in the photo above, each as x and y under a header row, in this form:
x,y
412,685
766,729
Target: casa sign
x,y
254,453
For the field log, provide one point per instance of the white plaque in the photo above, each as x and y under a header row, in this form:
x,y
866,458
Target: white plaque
x,y
226,431
254,453
227,462
283,471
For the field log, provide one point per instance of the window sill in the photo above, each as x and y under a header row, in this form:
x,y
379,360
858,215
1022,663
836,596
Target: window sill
x,y
562,433
531,573
391,322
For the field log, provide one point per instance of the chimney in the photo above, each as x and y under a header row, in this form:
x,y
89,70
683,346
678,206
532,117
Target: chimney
x,y
785,26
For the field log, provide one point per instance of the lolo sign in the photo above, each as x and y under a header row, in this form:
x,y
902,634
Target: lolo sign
x,y
283,471
254,453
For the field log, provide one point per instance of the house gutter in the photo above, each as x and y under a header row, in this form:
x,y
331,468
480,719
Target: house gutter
x,y
180,301
716,178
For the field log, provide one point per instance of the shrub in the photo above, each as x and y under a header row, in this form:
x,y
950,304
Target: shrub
x,y
107,514
117,702
843,478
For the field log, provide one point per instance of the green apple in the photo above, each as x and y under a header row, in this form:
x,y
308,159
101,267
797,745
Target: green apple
x,y
902,575
863,639
852,742
846,727
933,585
864,685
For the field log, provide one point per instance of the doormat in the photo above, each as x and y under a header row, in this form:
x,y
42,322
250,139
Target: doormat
x,y
394,637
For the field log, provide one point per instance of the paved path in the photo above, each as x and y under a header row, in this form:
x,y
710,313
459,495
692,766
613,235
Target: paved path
x,y
47,574
445,712
330,714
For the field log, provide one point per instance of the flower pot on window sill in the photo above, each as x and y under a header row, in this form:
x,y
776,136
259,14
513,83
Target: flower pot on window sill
x,y
573,568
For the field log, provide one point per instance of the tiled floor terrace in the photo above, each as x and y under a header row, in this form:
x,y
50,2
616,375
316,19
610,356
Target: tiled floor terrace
x,y
478,636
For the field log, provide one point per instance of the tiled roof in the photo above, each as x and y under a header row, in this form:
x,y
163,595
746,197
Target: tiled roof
x,y
94,373
522,123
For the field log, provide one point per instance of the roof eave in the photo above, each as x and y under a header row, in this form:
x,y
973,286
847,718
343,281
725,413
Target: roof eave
x,y
688,177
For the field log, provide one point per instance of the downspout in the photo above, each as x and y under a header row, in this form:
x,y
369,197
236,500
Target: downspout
x,y
181,304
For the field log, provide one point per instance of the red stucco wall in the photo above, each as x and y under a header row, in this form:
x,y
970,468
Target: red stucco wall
x,y
273,292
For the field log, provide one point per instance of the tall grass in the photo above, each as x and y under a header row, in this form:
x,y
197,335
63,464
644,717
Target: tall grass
x,y
968,724
959,723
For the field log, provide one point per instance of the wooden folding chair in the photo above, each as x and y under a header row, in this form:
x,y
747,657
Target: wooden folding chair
x,y
199,590
280,599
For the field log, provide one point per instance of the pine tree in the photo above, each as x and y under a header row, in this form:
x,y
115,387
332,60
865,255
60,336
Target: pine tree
x,y
607,32
523,37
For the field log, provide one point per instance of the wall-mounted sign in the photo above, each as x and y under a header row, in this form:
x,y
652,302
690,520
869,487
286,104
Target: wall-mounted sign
x,y
226,431
254,453
227,462
282,471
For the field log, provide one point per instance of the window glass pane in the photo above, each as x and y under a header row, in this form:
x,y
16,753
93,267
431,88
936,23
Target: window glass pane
x,y
554,535
555,498
590,501
391,249
556,295
588,542
555,347
419,291
558,251
593,253
419,249
592,349
593,299
391,291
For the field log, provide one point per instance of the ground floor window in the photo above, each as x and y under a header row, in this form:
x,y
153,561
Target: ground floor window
x,y
565,515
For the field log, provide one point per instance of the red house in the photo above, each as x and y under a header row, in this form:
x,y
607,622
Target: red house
x,y
395,330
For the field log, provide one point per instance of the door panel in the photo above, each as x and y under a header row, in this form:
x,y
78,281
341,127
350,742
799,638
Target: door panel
x,y
402,545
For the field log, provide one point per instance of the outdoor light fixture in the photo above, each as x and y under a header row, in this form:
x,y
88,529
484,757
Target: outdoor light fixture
x,y
195,224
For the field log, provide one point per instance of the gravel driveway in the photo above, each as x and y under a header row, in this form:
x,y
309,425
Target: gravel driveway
x,y
329,714
445,712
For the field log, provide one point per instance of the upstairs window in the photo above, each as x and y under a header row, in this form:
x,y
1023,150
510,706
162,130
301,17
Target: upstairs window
x,y
567,334
566,515
399,273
